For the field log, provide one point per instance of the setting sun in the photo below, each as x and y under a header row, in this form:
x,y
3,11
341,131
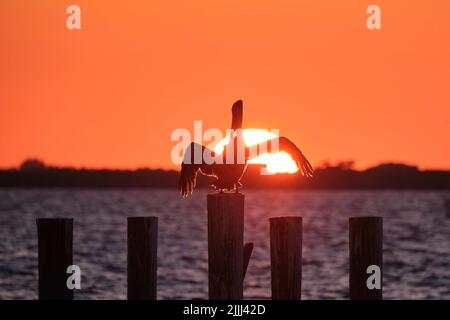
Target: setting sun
x,y
279,162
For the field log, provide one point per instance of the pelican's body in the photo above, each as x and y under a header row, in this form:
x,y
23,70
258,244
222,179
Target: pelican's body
x,y
228,175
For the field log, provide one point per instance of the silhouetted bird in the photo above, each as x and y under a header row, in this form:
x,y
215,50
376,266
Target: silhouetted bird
x,y
229,174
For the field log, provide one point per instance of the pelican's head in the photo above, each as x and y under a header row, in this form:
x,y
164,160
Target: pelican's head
x,y
237,115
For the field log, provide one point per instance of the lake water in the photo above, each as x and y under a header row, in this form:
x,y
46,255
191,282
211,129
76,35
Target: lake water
x,y
416,240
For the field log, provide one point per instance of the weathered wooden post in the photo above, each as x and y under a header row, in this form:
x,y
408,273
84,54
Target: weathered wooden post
x,y
55,254
447,208
142,258
366,258
225,245
286,257
248,249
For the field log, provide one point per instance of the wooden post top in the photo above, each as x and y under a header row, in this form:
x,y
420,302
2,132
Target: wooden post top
x,y
135,218
54,219
286,218
226,195
366,218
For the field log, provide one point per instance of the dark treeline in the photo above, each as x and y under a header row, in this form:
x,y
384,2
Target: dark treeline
x,y
386,176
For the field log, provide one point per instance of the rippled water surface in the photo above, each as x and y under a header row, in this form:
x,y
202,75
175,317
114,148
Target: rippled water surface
x,y
416,240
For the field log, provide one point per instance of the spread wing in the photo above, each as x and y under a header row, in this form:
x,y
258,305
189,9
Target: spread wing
x,y
286,145
193,162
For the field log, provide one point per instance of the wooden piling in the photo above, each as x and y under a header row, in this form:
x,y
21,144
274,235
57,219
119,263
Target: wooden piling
x,y
248,249
286,257
225,246
55,254
447,208
142,258
366,249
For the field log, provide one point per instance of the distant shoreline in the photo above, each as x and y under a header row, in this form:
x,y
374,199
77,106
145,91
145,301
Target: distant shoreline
x,y
382,177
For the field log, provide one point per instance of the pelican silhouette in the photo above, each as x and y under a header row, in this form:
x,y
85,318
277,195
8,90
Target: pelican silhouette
x,y
229,173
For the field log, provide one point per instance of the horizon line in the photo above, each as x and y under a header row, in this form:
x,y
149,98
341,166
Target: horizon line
x,y
352,165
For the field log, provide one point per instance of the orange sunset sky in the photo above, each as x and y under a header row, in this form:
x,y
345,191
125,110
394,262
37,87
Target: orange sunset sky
x,y
110,94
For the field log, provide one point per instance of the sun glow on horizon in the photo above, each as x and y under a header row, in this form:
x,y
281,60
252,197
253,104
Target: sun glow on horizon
x,y
279,162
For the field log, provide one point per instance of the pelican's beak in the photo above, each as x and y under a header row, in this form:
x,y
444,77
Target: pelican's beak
x,y
237,115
